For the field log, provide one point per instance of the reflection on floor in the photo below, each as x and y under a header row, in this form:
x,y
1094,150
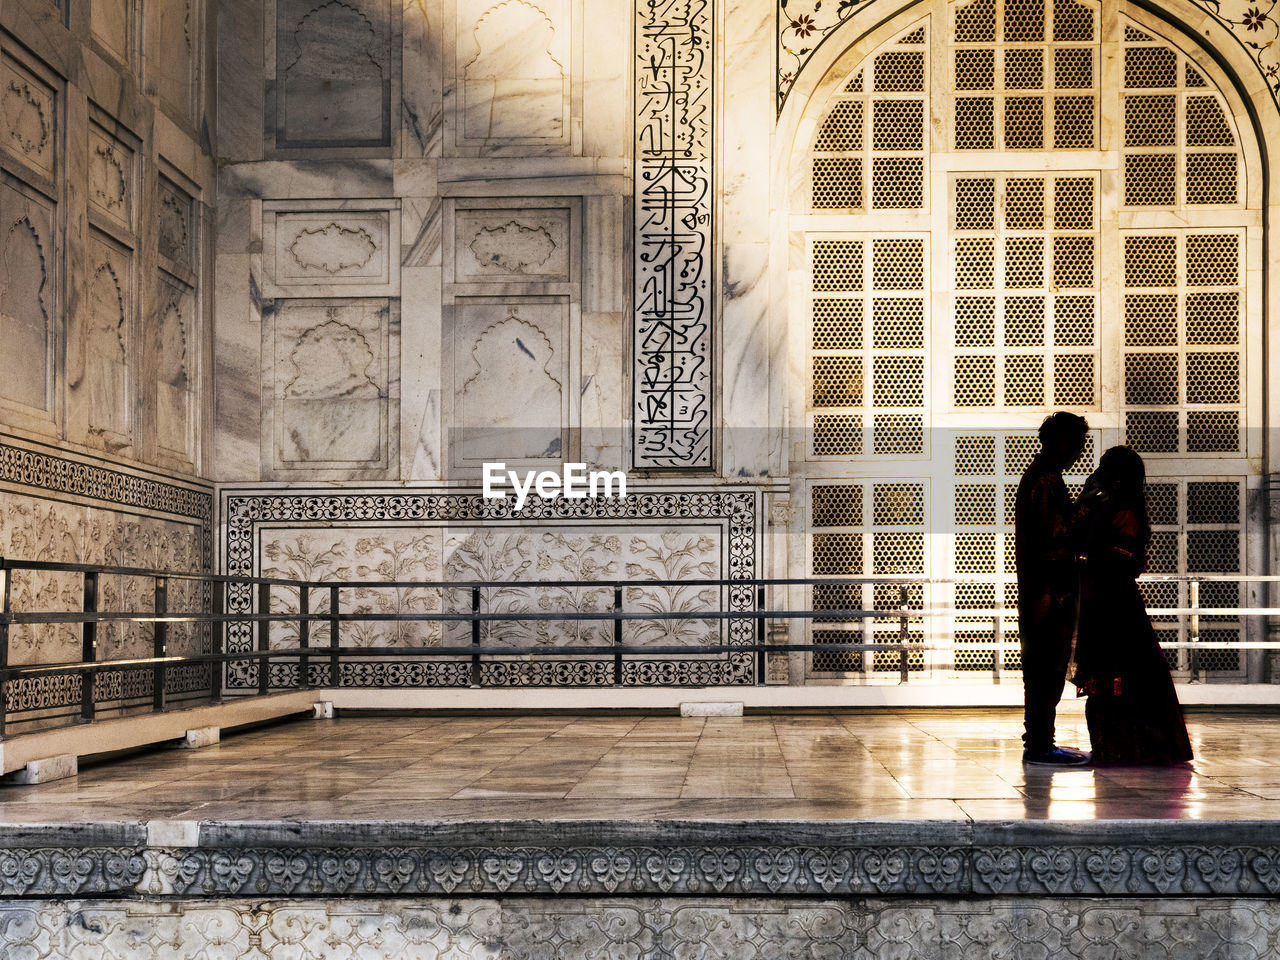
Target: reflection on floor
x,y
935,765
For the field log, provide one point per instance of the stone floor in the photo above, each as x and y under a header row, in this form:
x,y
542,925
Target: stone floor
x,y
935,765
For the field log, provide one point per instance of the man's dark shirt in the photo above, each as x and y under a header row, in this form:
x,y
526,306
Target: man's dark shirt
x,y
1042,535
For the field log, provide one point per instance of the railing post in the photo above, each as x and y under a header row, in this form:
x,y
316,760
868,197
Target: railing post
x,y
335,674
160,645
1195,629
760,656
215,641
304,636
89,648
902,634
997,636
264,638
4,644
475,636
617,635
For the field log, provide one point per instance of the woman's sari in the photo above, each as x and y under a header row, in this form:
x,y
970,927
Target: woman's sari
x,y
1132,711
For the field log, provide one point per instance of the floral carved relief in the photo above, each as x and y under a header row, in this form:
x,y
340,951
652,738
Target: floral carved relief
x,y
345,554
803,26
173,232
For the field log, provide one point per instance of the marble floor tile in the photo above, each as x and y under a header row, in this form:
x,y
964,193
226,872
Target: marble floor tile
x,y
947,765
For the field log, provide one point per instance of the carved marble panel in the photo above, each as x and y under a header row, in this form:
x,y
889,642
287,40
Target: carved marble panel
x,y
175,348
330,252
112,176
611,924
100,381
28,298
43,529
175,224
333,73
511,370
657,535
357,553
673,210
334,383
596,552
171,34
512,245
112,24
28,112
514,70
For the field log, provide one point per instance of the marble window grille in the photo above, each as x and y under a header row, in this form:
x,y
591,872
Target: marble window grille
x,y
1063,271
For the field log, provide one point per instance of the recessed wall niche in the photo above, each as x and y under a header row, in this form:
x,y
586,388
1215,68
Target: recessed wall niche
x,y
29,267
331,371
513,80
512,322
318,49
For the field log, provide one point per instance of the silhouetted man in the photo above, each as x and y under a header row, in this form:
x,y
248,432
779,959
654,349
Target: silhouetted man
x,y
1047,583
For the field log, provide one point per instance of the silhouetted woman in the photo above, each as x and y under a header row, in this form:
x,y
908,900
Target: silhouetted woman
x,y
1132,711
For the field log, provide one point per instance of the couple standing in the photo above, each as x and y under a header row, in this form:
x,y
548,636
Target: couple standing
x,y
1077,569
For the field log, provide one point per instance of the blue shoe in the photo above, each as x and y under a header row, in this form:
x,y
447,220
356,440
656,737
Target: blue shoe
x,y
1057,757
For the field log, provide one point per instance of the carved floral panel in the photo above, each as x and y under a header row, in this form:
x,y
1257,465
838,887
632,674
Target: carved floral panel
x,y
175,353
511,369
43,529
100,351
175,224
599,552
170,42
354,553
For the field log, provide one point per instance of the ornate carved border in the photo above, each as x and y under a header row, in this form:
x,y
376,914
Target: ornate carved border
x,y
737,510
55,474
1162,868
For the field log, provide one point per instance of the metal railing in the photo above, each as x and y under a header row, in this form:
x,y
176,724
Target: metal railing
x,y
243,604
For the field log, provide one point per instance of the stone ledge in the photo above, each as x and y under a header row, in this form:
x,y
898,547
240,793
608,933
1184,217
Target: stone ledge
x,y
1104,858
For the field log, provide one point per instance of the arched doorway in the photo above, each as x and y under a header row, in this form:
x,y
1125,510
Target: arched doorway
x,y
999,208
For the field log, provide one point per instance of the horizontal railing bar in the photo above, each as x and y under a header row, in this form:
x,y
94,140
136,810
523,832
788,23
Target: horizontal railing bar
x,y
59,567
601,650
752,613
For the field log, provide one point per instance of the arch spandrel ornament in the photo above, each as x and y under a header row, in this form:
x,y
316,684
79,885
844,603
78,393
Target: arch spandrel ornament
x,y
805,27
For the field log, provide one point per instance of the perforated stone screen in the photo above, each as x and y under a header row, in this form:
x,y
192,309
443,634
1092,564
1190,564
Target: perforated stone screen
x,y
996,224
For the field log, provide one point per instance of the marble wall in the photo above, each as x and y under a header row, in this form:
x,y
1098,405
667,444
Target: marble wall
x,y
470,189
106,186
